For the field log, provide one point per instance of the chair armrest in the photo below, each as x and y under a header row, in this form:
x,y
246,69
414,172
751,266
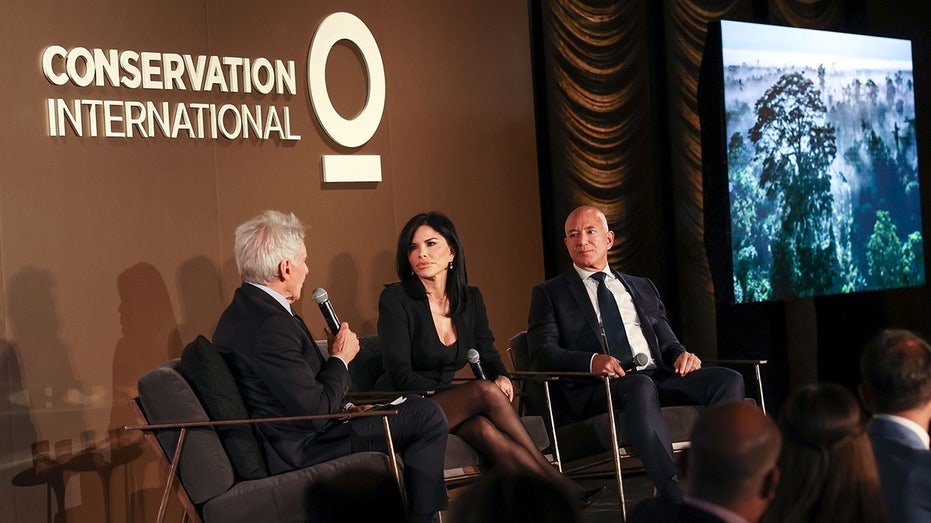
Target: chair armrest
x,y
736,362
197,424
554,375
375,395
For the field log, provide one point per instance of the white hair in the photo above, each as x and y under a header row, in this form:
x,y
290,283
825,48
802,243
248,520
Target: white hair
x,y
265,241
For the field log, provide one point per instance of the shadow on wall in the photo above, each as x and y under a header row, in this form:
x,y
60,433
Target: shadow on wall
x,y
150,336
201,294
343,288
46,404
16,428
350,298
111,477
384,267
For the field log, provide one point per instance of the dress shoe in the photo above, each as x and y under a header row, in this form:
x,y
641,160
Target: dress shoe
x,y
587,497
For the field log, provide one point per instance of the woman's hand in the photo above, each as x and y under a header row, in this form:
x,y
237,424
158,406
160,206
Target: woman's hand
x,y
506,387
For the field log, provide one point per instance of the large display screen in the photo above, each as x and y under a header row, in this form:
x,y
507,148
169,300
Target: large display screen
x,y
821,162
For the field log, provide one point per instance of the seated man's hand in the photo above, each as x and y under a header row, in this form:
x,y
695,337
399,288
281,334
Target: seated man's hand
x,y
345,344
686,363
605,364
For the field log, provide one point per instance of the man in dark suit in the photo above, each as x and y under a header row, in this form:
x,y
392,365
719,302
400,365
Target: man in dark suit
x,y
896,370
281,371
732,469
595,319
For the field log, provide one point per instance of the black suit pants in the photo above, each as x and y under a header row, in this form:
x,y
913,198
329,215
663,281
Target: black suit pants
x,y
419,432
641,394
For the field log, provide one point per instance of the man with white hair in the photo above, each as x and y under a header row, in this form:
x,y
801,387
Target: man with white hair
x,y
281,371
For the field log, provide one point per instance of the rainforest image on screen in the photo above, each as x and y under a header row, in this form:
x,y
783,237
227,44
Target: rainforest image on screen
x,y
822,162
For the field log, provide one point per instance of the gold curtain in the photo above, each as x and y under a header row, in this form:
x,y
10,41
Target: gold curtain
x,y
597,79
604,148
686,24
813,14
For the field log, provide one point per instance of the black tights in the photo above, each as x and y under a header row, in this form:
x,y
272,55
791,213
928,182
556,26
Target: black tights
x,y
481,414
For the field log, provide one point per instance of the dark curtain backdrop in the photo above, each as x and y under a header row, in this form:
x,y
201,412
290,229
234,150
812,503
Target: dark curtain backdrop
x,y
616,86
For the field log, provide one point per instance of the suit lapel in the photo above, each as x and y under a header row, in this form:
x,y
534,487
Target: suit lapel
x,y
577,289
309,340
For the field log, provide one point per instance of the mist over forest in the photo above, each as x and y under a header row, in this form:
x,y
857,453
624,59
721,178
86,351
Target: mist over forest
x,y
823,179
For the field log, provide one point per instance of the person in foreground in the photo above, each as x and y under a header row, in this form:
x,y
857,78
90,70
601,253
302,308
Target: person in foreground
x,y
281,372
427,323
896,370
595,319
515,498
828,470
731,469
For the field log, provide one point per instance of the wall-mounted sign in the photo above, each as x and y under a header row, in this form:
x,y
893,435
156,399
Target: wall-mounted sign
x,y
201,118
151,71
359,130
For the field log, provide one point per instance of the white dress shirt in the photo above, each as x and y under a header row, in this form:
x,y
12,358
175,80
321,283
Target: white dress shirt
x,y
625,304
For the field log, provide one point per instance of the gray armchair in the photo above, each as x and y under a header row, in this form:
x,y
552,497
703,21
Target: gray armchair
x,y
222,470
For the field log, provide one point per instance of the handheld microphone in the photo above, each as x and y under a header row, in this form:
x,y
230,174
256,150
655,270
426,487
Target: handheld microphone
x,y
326,308
638,360
476,364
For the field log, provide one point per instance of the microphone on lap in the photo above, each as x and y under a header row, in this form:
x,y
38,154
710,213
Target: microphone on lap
x,y
638,360
322,299
475,361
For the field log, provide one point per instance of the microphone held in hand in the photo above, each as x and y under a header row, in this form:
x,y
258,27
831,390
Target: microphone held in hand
x,y
475,361
326,308
640,359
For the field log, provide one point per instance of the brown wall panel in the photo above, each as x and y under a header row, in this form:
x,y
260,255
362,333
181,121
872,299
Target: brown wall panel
x,y
116,252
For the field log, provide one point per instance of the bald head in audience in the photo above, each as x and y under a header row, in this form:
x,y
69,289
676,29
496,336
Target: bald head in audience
x,y
732,461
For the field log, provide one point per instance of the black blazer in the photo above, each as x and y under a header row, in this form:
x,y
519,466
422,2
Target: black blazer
x,y
412,353
280,372
904,470
563,331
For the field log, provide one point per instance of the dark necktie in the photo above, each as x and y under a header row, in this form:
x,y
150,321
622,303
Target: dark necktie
x,y
615,334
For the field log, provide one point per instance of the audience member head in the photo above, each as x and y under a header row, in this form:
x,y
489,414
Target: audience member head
x,y
270,250
506,498
896,371
588,238
828,469
732,460
437,225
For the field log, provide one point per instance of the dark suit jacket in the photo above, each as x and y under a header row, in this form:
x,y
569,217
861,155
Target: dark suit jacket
x,y
280,372
904,469
662,510
414,357
563,330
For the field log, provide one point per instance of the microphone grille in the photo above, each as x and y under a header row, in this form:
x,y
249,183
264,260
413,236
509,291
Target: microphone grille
x,y
320,296
473,356
641,359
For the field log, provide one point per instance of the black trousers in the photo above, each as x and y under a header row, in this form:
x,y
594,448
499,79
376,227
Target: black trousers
x,y
419,432
641,394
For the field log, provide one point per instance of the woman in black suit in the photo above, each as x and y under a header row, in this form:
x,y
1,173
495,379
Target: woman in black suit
x,y
426,325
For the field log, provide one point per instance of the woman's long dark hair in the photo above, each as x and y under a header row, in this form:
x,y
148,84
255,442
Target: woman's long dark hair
x,y
456,279
828,472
